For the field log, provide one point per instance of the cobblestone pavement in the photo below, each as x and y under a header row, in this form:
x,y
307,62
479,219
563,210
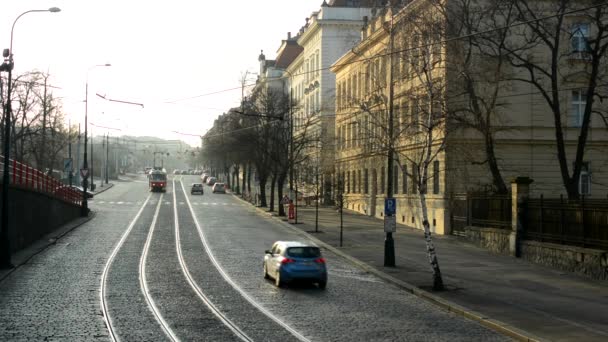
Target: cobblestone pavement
x,y
56,294
507,293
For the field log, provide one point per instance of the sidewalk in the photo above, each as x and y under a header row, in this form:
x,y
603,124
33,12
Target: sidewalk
x,y
520,299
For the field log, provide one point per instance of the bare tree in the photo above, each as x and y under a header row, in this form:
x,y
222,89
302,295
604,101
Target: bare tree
x,y
573,36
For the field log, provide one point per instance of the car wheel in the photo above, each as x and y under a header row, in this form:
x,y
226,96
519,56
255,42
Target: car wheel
x,y
322,285
277,280
266,276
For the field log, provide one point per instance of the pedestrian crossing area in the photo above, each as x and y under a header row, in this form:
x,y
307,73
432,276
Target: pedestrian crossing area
x,y
139,203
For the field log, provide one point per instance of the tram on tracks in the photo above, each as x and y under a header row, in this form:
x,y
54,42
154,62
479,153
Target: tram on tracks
x,y
157,180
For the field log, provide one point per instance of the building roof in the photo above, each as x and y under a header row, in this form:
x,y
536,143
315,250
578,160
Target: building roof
x,y
288,51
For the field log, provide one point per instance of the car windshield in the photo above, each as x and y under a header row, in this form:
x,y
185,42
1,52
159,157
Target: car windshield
x,y
304,252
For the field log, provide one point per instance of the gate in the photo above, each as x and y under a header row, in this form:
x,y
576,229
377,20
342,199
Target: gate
x,y
459,217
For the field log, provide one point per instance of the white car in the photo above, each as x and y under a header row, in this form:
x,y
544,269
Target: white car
x,y
219,188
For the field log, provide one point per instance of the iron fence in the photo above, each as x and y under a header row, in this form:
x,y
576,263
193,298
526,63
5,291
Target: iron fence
x,y
492,211
581,222
26,177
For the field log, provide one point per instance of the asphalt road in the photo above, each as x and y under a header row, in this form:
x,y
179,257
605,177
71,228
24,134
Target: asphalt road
x,y
176,266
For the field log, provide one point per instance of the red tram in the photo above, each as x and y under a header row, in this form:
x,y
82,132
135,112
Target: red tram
x,y
157,180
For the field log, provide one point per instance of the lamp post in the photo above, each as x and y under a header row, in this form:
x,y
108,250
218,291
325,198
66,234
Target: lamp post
x,y
5,253
85,166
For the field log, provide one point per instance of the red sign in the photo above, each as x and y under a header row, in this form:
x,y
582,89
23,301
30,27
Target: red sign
x,y
291,213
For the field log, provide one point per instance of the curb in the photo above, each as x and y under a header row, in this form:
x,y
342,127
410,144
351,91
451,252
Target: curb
x,y
484,320
105,188
22,257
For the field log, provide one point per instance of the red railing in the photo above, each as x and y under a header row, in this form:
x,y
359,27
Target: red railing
x,y
26,177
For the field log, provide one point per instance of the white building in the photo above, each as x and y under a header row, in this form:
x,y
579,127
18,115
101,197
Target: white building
x,y
327,35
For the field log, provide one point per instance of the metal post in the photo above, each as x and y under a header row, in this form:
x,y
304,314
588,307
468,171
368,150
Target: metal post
x,y
389,244
5,248
70,172
92,172
85,204
5,252
317,202
107,156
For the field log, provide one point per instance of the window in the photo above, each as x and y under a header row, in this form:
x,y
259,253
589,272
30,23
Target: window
x,y
382,179
366,181
436,177
414,179
396,179
584,184
359,181
415,114
579,101
404,181
348,181
580,38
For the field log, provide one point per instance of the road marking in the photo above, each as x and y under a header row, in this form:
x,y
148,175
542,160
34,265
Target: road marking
x,y
104,275
235,329
111,202
229,280
120,202
143,281
101,202
167,202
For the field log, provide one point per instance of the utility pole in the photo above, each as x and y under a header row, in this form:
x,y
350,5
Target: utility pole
x,y
92,158
70,172
78,167
389,243
107,156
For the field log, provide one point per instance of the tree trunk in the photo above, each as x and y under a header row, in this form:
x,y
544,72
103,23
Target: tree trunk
x,y
249,178
236,179
263,203
272,187
244,180
430,247
499,183
280,183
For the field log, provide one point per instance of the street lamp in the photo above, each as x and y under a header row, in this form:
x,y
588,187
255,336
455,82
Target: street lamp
x,y
85,167
5,253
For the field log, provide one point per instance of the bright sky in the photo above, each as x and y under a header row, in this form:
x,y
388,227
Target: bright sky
x,y
159,51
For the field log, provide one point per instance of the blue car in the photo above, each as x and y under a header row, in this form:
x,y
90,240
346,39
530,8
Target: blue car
x,y
292,260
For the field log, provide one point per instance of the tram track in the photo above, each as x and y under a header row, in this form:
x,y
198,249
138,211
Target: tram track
x,y
143,280
260,308
199,292
104,276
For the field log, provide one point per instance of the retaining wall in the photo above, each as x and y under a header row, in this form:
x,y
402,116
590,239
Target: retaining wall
x,y
586,261
33,215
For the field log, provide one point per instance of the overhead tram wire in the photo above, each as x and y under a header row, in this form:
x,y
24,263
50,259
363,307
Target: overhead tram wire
x,y
364,59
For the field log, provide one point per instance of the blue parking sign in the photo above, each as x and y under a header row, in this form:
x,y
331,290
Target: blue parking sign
x,y
390,206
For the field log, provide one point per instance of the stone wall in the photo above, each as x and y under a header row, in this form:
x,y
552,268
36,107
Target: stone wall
x,y
33,215
494,239
585,261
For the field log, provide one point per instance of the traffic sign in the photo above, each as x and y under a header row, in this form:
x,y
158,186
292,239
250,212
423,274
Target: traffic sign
x,y
390,224
67,164
390,206
84,173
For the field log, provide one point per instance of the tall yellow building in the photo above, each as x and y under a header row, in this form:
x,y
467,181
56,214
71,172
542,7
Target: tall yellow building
x,y
464,111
